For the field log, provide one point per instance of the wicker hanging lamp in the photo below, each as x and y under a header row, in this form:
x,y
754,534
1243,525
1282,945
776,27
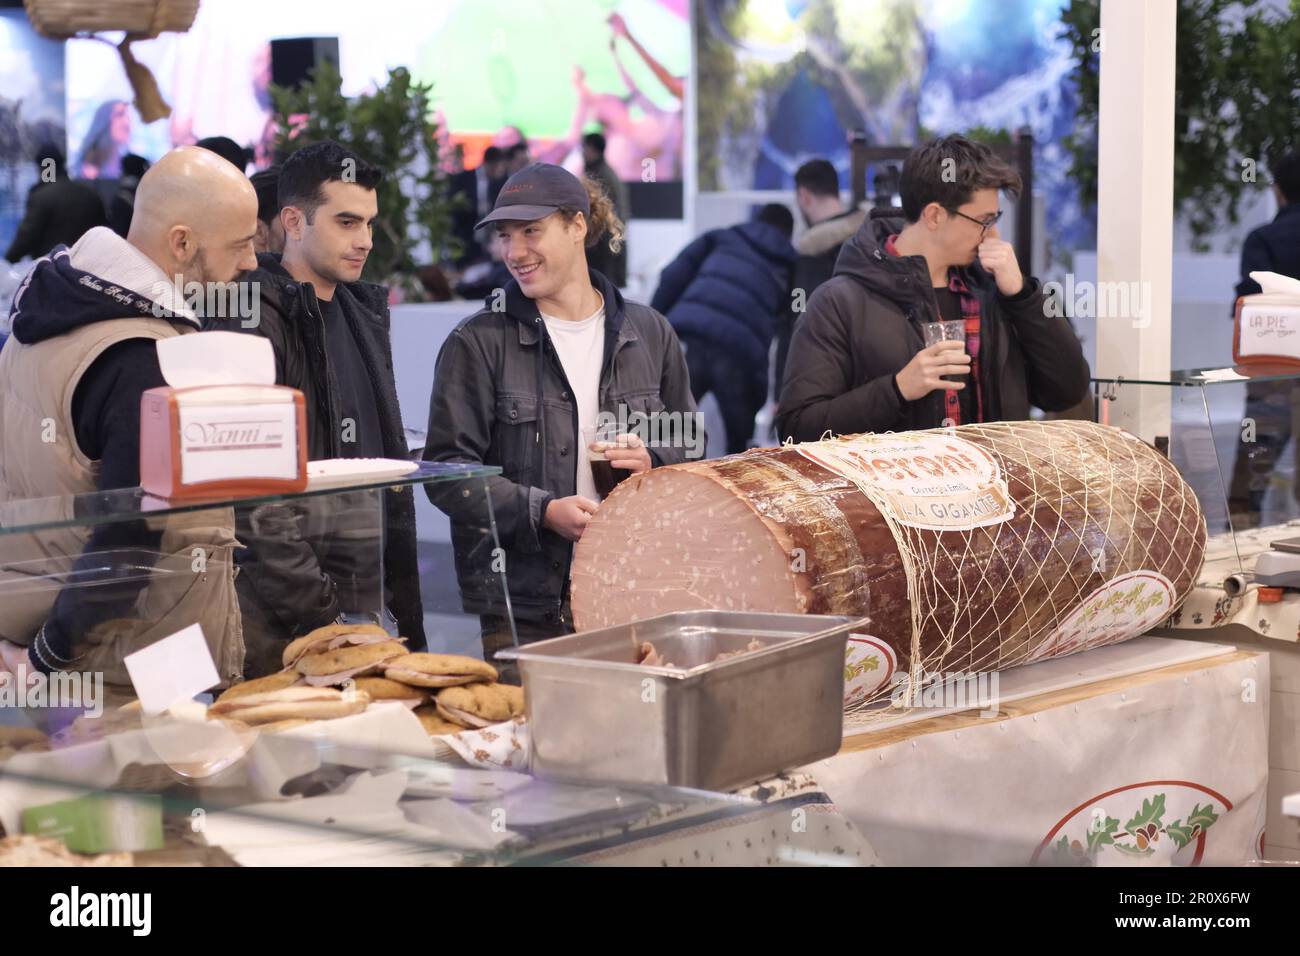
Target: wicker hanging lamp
x,y
141,19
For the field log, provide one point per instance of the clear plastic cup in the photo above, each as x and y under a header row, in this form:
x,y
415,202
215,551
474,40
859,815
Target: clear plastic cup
x,y
945,331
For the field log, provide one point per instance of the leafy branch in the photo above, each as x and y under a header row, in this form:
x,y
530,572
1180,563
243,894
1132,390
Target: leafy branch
x,y
1236,101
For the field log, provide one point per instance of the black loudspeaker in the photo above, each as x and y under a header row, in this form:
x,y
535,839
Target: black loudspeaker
x,y
294,58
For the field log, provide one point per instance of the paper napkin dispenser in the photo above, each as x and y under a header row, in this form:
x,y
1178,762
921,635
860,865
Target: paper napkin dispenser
x,y
221,427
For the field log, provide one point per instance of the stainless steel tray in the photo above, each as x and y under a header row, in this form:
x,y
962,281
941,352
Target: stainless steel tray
x,y
594,714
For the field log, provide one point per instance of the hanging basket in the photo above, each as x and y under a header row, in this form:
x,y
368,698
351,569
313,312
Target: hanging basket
x,y
60,19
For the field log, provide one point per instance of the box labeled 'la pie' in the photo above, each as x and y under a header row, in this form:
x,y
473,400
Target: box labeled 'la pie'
x,y
221,427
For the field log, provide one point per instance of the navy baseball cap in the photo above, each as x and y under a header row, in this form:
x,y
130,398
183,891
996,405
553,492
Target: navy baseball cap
x,y
535,192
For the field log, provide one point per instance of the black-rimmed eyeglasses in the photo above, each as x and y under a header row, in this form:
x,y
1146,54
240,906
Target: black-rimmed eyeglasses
x,y
984,224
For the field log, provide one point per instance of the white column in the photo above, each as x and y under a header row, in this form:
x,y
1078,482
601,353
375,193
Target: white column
x,y
1135,189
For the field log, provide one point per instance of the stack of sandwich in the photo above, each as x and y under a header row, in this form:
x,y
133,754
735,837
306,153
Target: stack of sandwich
x,y
338,670
461,693
322,679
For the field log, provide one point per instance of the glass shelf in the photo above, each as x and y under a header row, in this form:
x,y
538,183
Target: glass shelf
x,y
1227,375
107,507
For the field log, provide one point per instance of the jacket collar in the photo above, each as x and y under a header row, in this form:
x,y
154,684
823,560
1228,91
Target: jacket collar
x,y
524,310
830,233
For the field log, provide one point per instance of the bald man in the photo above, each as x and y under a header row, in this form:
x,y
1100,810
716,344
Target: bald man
x,y
86,322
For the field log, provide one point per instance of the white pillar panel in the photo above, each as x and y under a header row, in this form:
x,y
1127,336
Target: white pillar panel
x,y
1135,191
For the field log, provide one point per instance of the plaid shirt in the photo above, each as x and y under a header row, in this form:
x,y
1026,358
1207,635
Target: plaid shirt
x,y
970,313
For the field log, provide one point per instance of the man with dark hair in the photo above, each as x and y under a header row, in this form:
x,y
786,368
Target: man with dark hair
x,y
723,294
1275,246
270,231
303,567
478,188
227,149
858,360
1273,406
600,257
60,210
517,157
830,224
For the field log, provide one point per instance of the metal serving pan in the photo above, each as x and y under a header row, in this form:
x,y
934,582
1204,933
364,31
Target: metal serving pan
x,y
594,714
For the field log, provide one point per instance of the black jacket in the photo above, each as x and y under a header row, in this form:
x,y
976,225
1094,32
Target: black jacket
x,y
1274,247
58,213
864,325
600,257
500,397
728,287
818,248
280,580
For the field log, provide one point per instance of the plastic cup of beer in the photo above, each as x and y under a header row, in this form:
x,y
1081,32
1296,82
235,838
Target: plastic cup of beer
x,y
953,330
605,475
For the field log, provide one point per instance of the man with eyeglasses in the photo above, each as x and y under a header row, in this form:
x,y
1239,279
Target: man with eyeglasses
x,y
858,361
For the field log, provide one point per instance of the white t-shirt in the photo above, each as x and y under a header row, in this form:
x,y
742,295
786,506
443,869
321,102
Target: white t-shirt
x,y
581,347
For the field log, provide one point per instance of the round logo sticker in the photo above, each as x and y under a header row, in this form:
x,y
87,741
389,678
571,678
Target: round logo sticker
x,y
869,663
1123,607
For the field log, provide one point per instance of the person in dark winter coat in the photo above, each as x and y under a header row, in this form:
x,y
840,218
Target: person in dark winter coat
x,y
858,362
723,294
308,563
611,264
554,352
60,210
830,225
1273,247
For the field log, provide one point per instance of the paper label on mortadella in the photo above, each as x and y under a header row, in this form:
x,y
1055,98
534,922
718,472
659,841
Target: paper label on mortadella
x,y
1123,607
925,480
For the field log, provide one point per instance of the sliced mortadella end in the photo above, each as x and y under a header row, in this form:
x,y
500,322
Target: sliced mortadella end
x,y
679,539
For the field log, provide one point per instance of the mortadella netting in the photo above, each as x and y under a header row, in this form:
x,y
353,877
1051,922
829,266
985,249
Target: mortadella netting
x,y
971,549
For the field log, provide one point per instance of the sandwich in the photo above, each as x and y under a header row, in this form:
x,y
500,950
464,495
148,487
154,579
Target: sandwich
x,y
331,637
434,724
324,668
439,670
291,703
480,705
382,688
277,681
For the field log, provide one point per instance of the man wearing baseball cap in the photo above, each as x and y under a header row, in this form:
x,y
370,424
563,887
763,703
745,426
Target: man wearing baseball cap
x,y
518,381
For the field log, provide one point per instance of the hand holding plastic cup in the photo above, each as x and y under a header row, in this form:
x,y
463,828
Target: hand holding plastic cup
x,y
953,330
596,438
601,436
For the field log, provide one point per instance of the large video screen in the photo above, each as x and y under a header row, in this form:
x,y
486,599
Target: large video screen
x,y
551,70
545,70
787,81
